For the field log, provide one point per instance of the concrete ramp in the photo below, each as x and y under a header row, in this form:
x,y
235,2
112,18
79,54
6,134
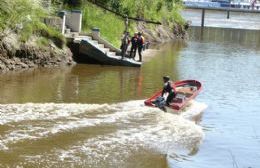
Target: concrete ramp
x,y
101,54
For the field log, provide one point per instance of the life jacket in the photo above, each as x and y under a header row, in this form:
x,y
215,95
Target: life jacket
x,y
143,39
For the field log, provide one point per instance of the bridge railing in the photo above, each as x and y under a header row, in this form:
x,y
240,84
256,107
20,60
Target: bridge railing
x,y
224,9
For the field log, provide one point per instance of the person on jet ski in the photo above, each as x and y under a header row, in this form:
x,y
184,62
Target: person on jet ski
x,y
167,88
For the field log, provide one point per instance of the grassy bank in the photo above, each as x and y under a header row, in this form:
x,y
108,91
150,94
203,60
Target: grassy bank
x,y
112,26
25,41
24,17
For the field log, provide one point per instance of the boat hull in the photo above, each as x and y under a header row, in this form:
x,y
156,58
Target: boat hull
x,y
186,90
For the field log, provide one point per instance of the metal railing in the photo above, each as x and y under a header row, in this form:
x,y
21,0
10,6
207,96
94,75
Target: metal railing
x,y
224,9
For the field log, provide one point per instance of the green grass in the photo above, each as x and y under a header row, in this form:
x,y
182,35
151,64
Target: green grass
x,y
111,26
48,32
42,30
42,42
29,14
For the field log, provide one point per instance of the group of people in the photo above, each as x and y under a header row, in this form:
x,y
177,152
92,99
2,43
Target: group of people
x,y
137,44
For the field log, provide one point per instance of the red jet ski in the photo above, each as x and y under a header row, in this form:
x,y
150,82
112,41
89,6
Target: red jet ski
x,y
186,90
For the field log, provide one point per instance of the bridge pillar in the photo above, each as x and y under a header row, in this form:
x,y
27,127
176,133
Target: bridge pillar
x,y
228,13
202,18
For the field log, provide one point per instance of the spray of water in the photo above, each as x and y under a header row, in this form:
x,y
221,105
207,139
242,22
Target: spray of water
x,y
103,133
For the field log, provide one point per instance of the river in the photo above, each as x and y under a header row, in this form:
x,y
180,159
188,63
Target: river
x,y
93,116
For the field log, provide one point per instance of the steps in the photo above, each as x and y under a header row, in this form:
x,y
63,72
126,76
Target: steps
x,y
105,50
95,43
113,54
101,45
101,52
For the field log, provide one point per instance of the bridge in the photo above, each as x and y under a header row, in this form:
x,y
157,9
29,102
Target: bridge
x,y
222,17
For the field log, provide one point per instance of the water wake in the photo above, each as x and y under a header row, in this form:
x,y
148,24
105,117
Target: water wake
x,y
95,134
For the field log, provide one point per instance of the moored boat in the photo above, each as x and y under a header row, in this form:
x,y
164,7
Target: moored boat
x,y
186,90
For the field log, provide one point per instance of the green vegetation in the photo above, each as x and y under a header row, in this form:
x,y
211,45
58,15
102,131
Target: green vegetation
x,y
18,12
157,10
112,26
42,41
25,17
40,29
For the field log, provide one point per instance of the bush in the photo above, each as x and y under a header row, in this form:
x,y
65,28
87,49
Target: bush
x,y
26,32
48,32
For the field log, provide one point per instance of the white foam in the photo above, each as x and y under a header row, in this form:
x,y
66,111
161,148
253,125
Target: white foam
x,y
20,112
194,109
137,126
164,137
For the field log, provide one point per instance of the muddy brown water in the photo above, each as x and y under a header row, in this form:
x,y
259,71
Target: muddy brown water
x,y
93,116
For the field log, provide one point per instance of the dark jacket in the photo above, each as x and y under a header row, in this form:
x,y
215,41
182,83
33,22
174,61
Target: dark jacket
x,y
140,41
167,88
134,42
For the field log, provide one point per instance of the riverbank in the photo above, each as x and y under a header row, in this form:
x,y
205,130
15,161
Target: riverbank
x,y
26,42
15,55
162,33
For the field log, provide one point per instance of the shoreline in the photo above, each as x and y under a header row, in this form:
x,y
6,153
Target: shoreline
x,y
16,56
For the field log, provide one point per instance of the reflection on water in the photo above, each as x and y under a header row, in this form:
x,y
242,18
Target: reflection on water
x,y
89,83
248,38
228,63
